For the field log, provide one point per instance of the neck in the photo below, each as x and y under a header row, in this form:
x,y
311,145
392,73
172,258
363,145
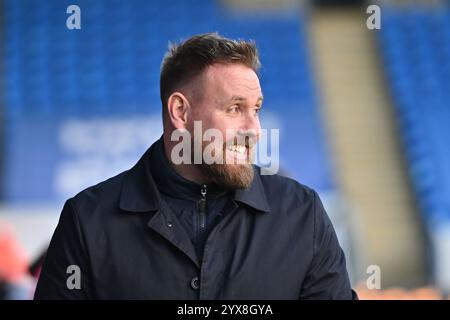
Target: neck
x,y
187,171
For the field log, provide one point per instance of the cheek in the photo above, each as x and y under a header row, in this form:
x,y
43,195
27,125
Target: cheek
x,y
219,122
258,131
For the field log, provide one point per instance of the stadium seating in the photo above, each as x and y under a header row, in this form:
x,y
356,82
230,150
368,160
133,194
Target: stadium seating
x,y
110,70
416,48
415,45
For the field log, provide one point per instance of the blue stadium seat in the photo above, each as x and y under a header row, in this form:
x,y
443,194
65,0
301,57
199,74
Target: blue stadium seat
x,y
415,46
110,68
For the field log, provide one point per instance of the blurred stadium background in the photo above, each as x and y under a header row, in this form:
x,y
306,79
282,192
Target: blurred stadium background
x,y
364,118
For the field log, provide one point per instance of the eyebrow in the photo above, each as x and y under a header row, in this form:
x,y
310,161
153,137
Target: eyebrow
x,y
240,98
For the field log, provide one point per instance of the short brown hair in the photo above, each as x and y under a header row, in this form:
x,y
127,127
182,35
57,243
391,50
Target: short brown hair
x,y
188,59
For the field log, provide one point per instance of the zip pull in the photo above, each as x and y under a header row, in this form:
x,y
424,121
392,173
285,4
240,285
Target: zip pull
x,y
202,206
203,191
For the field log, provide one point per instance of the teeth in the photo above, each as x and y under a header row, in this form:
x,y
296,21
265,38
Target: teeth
x,y
239,149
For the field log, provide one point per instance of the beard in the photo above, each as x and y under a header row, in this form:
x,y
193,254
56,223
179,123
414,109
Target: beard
x,y
230,175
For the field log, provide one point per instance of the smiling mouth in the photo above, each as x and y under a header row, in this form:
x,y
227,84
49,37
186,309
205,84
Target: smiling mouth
x,y
239,153
239,149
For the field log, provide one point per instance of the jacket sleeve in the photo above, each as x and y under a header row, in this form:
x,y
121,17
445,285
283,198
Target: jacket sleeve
x,y
66,271
327,276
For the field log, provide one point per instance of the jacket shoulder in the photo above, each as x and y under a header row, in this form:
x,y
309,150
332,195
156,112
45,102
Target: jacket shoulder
x,y
287,187
101,195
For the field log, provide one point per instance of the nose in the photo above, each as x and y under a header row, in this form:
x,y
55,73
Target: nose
x,y
249,136
252,127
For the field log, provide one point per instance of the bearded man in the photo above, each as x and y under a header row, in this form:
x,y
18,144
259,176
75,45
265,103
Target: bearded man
x,y
201,222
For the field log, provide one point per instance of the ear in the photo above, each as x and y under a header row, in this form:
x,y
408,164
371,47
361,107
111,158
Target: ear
x,y
178,107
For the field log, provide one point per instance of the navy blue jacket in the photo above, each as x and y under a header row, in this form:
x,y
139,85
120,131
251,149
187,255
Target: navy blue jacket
x,y
273,241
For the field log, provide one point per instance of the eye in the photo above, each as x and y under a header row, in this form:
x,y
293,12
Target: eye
x,y
257,110
233,109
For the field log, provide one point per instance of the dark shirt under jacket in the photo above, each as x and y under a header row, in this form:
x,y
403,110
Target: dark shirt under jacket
x,y
184,198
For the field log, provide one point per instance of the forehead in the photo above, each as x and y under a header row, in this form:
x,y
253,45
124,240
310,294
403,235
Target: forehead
x,y
227,80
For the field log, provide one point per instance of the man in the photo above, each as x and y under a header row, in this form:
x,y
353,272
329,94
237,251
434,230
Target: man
x,y
174,227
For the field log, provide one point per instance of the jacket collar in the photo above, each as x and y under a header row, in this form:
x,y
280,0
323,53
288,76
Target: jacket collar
x,y
139,192
255,195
